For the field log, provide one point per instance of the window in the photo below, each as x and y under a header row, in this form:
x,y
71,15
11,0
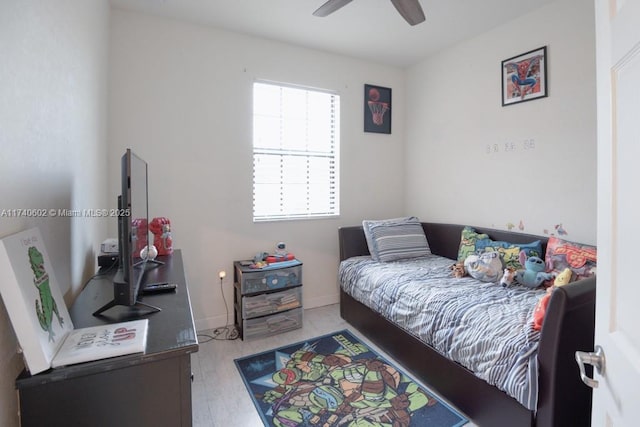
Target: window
x,y
296,136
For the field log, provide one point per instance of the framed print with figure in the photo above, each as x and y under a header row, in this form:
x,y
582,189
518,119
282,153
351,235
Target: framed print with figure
x,y
524,77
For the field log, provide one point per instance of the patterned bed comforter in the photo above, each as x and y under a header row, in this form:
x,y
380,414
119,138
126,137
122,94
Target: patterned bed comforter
x,y
483,326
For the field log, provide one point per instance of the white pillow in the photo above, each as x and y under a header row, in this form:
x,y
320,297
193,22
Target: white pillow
x,y
394,239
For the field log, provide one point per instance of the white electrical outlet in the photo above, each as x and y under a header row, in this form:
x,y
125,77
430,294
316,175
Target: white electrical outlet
x,y
109,246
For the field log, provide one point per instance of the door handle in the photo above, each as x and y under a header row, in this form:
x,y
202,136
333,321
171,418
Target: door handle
x,y
596,359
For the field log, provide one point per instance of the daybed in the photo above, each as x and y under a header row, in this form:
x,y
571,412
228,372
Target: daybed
x,y
562,399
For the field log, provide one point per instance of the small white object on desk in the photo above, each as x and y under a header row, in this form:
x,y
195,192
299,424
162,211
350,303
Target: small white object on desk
x,y
149,252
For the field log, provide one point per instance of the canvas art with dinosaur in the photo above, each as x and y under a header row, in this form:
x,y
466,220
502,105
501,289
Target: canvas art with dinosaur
x,y
33,298
45,303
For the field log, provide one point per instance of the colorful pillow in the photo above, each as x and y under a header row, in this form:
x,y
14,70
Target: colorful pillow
x,y
395,239
561,254
510,252
472,242
468,239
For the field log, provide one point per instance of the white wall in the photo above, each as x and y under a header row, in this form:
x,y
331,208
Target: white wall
x,y
52,142
454,118
181,98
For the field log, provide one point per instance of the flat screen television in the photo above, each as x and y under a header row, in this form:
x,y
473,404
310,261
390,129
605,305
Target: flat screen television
x,y
133,233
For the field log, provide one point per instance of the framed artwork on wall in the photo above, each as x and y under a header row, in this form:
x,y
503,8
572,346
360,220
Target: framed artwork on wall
x,y
377,109
524,77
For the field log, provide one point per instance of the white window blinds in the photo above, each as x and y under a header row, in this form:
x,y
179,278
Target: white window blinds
x,y
296,135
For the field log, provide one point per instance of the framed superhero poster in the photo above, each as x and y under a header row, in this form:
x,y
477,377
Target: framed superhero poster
x,y
524,77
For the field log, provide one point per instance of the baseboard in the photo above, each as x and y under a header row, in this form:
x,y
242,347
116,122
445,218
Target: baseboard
x,y
321,301
203,325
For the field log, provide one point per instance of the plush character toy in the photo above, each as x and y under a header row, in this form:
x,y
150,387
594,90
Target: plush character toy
x,y
458,270
139,232
508,277
161,229
486,266
562,279
541,309
533,275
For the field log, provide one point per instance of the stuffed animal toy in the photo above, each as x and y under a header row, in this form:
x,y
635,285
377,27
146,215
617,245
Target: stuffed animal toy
x,y
486,266
561,279
533,275
541,309
458,270
161,229
508,277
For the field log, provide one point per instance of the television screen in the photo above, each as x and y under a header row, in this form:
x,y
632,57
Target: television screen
x,y
135,220
133,232
135,204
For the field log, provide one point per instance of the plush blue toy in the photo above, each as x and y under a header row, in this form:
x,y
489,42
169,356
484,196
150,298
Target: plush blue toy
x,y
533,275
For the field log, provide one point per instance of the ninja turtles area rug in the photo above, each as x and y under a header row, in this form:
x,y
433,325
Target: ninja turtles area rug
x,y
336,380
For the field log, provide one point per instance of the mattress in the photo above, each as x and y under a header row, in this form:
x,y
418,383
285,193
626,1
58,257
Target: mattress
x,y
484,327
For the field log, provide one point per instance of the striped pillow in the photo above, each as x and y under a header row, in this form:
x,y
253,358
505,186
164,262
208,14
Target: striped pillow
x,y
394,239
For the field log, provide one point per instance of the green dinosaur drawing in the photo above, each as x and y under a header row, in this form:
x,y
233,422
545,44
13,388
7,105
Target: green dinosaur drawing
x,y
47,305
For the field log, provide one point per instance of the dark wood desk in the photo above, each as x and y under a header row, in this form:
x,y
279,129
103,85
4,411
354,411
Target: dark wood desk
x,y
150,389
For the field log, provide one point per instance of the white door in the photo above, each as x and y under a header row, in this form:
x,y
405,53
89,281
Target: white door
x,y
617,396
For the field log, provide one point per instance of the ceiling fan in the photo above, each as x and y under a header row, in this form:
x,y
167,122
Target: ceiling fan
x,y
410,10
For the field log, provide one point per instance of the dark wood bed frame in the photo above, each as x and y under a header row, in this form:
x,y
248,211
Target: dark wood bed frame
x,y
563,400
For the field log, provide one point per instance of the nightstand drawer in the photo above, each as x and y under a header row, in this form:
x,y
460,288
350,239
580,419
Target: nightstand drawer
x,y
270,278
273,324
269,303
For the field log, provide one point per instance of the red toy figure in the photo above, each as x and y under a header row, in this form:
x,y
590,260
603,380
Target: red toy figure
x,y
161,229
138,234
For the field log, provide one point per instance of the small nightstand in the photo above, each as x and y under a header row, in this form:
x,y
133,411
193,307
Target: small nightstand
x,y
267,301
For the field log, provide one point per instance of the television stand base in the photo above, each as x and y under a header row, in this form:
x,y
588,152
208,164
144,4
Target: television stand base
x,y
113,303
146,263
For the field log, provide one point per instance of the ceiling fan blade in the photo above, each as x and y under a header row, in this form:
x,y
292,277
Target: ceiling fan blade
x,y
410,10
330,7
